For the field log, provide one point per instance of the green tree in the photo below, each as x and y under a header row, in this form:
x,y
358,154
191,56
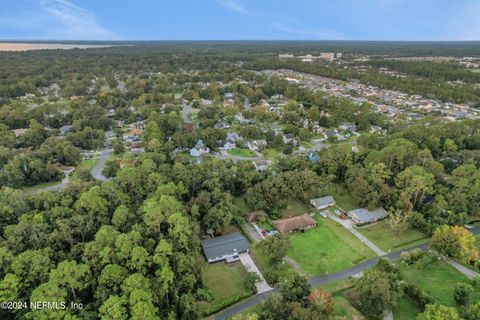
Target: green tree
x,y
275,247
455,242
438,312
462,293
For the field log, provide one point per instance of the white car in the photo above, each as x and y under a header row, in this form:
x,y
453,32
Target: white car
x,y
323,214
337,212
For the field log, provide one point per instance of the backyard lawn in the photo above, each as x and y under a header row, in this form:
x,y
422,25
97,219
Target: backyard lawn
x,y
294,208
40,186
406,309
306,144
341,195
382,236
266,226
327,248
224,281
270,153
88,164
247,153
437,279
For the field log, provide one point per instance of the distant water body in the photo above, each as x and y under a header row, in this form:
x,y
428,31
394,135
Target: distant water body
x,y
18,46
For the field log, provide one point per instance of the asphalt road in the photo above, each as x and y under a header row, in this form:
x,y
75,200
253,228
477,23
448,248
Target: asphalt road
x,y
97,170
321,280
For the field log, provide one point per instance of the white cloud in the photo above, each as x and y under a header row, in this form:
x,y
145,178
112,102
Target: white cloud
x,y
59,20
75,22
234,6
322,33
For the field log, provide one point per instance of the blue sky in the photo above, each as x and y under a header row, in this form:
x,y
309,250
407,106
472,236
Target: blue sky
x,y
240,19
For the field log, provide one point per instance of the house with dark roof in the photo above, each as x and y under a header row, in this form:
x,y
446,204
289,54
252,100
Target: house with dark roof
x,y
225,247
296,223
322,203
364,215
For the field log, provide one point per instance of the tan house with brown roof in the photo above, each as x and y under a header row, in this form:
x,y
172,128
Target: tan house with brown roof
x,y
296,223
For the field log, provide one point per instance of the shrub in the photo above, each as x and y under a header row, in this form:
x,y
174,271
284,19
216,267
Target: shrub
x,y
475,282
472,312
224,304
420,297
204,294
462,293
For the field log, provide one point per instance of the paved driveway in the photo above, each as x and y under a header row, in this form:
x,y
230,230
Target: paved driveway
x,y
262,285
348,224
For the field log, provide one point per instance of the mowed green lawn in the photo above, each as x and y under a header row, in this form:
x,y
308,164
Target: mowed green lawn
x,y
327,248
341,195
383,237
88,163
270,153
247,153
437,279
224,281
294,208
406,309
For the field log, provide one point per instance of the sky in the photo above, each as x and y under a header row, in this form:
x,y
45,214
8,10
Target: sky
x,y
416,20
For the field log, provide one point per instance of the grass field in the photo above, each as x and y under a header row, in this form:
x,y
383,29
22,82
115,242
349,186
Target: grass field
x,y
406,309
266,226
343,309
306,144
341,195
294,208
327,248
224,281
40,186
263,264
270,153
247,153
382,236
88,164
477,243
438,279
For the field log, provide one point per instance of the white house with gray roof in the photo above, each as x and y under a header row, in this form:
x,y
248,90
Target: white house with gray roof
x,y
322,203
363,215
225,247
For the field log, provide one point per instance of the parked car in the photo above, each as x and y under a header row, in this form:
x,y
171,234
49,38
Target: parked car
x,y
264,233
323,214
337,211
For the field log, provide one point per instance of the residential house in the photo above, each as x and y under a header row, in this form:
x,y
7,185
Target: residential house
x,y
289,137
322,203
228,146
225,247
330,133
19,132
348,126
261,165
364,215
63,130
255,145
313,156
199,149
233,136
221,125
296,223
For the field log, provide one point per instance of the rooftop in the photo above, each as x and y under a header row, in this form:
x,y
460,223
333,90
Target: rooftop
x,y
224,245
294,223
